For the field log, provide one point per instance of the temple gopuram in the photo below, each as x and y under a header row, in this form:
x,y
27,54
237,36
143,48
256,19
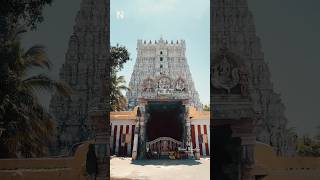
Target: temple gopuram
x,y
165,113
246,109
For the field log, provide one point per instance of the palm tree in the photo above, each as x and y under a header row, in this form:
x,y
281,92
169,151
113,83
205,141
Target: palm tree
x,y
118,100
206,107
28,126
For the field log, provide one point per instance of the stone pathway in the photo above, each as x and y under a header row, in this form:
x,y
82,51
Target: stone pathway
x,y
160,169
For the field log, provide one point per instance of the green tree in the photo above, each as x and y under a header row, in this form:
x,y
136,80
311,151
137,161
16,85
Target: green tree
x,y
119,56
28,127
206,107
27,13
118,100
308,146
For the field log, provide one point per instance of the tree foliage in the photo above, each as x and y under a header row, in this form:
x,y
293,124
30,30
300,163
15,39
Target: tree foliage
x,y
118,100
28,127
308,146
206,107
119,56
27,12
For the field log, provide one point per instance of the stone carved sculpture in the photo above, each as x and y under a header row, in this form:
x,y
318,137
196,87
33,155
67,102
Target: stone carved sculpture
x,y
180,85
164,83
164,86
244,81
225,74
148,85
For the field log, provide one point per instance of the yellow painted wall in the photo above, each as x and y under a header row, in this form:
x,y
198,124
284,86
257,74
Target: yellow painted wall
x,y
131,115
284,168
46,168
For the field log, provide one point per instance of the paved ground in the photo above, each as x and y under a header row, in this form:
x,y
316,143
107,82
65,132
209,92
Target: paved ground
x,y
160,169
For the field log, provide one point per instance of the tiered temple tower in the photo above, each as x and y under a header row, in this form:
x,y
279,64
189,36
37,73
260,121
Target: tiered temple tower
x,y
236,42
245,106
161,70
84,70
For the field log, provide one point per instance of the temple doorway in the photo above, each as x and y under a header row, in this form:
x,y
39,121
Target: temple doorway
x,y
165,126
227,150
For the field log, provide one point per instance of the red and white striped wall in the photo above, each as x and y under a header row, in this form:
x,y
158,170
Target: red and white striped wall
x,y
121,132
200,136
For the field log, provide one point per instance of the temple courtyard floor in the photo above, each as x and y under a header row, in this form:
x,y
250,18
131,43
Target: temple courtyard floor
x,y
124,168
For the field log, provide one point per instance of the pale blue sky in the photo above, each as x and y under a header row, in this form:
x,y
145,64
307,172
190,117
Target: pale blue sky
x,y
173,20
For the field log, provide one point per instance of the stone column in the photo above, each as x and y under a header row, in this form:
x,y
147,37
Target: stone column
x,y
187,132
102,151
136,141
142,141
247,159
100,133
188,137
139,137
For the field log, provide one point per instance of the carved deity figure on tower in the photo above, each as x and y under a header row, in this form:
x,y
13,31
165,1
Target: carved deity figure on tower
x,y
180,85
224,70
244,80
164,83
148,85
225,74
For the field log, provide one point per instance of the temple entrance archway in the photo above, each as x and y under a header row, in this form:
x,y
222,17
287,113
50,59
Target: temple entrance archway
x,y
166,119
165,126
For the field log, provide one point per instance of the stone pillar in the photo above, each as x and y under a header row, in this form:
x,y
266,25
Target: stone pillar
x,y
142,141
187,132
245,130
136,141
101,136
102,151
247,159
188,137
139,137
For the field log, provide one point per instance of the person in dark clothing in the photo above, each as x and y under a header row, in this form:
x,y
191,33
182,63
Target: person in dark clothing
x,y
91,163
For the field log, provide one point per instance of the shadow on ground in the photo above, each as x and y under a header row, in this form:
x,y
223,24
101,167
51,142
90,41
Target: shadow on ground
x,y
165,162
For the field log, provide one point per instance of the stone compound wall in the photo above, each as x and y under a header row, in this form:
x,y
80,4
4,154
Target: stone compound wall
x,y
69,168
271,167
